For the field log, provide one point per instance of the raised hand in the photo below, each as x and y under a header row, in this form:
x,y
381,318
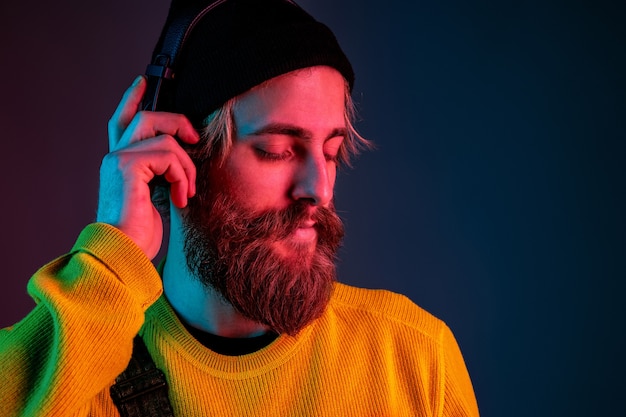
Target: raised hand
x,y
143,145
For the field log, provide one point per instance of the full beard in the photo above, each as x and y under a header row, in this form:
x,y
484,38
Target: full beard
x,y
233,252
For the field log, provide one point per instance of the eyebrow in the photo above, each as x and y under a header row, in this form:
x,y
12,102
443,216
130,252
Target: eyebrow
x,y
295,131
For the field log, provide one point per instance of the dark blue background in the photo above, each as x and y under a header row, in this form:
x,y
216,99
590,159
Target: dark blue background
x,y
495,198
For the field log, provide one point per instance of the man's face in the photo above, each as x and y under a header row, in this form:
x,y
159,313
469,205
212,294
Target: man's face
x,y
288,133
264,233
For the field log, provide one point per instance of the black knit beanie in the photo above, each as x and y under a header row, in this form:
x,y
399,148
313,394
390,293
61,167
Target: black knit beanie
x,y
239,44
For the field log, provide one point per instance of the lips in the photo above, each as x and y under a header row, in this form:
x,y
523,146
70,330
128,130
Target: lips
x,y
307,224
305,231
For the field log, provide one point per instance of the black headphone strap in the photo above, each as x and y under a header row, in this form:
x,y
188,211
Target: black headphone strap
x,y
179,25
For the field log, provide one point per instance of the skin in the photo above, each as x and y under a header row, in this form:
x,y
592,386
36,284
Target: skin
x,y
288,134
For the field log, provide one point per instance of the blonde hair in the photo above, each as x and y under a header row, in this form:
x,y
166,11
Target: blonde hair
x,y
219,131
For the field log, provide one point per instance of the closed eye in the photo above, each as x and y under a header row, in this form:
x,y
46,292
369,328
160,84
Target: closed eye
x,y
332,147
331,158
272,156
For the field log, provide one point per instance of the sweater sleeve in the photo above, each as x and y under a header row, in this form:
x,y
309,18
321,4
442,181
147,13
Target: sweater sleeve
x,y
458,394
78,338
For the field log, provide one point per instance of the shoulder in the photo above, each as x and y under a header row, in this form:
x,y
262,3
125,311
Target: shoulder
x,y
378,309
400,339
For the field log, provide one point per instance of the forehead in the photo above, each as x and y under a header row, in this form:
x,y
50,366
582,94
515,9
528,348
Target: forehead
x,y
312,98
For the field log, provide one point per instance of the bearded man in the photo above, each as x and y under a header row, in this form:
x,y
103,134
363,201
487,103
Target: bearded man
x,y
244,316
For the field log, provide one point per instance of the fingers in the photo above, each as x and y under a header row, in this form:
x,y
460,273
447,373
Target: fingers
x,y
129,125
147,124
181,188
142,146
161,155
125,195
137,136
126,110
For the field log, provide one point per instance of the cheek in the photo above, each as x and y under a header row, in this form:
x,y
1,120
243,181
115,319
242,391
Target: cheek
x,y
252,186
332,175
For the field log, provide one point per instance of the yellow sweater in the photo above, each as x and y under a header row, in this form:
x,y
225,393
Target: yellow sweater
x,y
373,353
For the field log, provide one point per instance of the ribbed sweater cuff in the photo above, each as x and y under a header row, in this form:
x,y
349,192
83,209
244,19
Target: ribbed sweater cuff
x,y
124,258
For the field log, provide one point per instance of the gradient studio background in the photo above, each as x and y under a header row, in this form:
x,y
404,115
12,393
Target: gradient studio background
x,y
495,199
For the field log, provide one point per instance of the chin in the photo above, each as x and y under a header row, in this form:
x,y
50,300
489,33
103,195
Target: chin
x,y
295,248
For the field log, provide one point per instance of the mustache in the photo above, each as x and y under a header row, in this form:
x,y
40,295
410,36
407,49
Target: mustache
x,y
274,224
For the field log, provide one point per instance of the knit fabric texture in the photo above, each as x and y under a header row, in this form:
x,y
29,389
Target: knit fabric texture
x,y
239,44
372,353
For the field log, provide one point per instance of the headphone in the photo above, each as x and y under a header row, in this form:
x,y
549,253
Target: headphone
x,y
161,72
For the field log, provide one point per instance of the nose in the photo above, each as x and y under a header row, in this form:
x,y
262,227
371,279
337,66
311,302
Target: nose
x,y
314,181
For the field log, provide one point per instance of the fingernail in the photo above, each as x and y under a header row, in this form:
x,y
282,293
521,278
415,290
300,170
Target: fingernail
x,y
137,81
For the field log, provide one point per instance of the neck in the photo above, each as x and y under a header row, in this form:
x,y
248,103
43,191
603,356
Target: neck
x,y
197,305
